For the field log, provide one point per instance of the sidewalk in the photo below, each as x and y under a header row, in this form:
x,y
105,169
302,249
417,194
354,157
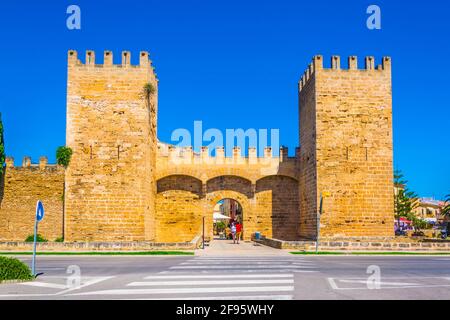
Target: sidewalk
x,y
243,249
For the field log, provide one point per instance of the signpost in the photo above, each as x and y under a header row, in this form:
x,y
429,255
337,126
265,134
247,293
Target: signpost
x,y
203,234
39,216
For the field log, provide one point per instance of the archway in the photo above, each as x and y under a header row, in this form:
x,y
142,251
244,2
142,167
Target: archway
x,y
227,211
178,211
230,187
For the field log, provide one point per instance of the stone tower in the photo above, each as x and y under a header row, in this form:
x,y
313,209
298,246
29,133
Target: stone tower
x,y
110,184
346,149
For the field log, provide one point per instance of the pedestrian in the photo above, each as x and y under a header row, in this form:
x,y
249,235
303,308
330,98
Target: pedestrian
x,y
233,231
238,231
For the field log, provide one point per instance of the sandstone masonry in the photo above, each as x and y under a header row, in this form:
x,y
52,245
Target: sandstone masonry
x,y
122,185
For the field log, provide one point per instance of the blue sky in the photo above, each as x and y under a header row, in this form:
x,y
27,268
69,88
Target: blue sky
x,y
232,64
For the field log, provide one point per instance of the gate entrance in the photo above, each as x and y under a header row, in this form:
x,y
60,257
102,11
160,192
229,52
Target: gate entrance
x,y
228,212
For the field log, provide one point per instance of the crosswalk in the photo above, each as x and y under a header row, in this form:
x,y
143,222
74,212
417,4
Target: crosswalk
x,y
252,264
216,278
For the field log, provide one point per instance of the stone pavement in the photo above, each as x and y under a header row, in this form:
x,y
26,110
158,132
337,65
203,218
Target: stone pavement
x,y
227,248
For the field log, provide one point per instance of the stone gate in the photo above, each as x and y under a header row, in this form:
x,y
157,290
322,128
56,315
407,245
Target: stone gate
x,y
124,185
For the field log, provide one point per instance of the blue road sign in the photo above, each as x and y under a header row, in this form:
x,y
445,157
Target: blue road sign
x,y
39,211
39,217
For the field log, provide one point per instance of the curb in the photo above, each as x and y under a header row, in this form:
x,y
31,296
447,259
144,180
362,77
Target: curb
x,y
14,281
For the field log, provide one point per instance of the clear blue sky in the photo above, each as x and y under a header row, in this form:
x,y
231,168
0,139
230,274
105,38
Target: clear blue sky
x,y
232,64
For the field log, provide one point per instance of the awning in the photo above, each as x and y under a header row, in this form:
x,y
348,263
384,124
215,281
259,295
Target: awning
x,y
404,220
219,216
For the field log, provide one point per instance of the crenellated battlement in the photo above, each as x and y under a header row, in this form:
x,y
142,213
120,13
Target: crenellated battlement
x,y
186,155
108,62
317,65
28,164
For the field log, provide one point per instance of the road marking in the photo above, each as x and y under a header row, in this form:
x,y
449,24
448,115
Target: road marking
x,y
381,283
388,285
250,259
239,271
93,280
221,276
44,285
234,263
185,290
207,282
242,266
333,284
275,297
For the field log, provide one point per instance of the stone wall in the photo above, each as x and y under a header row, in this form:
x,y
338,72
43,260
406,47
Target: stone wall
x,y
353,146
20,189
123,186
190,185
111,128
308,162
179,211
392,245
277,207
136,246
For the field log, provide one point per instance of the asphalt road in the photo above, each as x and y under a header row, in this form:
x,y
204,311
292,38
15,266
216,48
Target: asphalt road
x,y
236,278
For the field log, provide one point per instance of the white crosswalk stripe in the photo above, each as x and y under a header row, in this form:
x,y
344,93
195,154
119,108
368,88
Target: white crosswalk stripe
x,y
216,278
207,282
220,276
193,287
250,298
252,264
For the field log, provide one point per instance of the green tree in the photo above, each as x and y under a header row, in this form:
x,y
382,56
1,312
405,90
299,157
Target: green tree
x,y
405,200
446,209
2,147
63,156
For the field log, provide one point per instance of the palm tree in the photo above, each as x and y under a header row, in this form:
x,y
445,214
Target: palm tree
x,y
149,91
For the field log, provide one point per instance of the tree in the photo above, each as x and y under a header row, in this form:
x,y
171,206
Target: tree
x,y
63,156
2,147
446,209
405,200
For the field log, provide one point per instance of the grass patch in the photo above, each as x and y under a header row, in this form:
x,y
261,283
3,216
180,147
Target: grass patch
x,y
13,269
100,253
373,253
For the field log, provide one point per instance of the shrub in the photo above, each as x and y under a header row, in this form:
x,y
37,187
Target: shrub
x,y
63,155
13,269
39,238
60,239
220,226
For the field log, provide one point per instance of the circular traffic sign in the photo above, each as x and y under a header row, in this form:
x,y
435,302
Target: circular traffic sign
x,y
39,211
